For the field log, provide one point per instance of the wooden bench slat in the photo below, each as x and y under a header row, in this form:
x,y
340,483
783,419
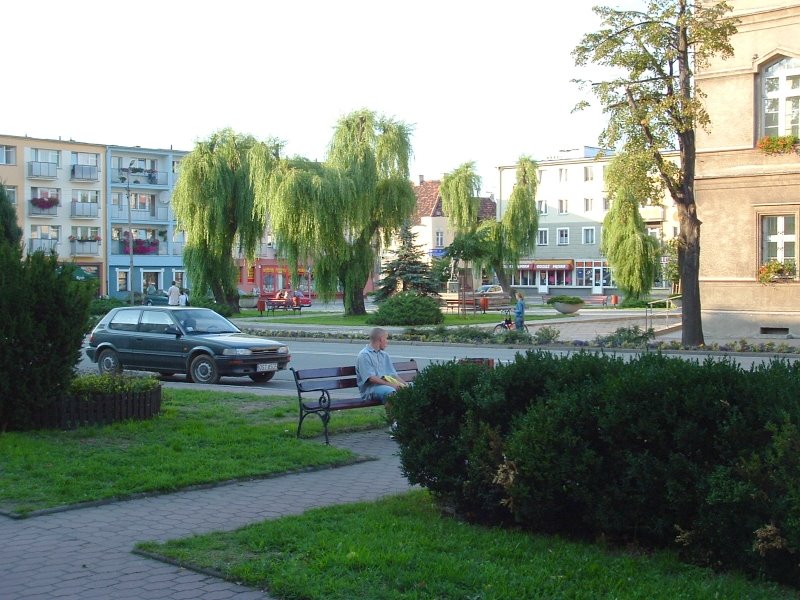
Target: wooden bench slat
x,y
324,373
326,384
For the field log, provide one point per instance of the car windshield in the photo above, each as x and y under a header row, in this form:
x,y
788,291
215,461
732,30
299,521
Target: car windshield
x,y
203,320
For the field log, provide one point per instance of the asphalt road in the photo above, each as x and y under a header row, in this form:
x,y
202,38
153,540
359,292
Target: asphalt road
x,y
318,353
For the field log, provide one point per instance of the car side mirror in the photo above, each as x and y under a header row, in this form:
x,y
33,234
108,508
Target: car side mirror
x,y
173,330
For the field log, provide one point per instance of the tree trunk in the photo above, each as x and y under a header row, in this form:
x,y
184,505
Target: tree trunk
x,y
689,265
354,301
502,277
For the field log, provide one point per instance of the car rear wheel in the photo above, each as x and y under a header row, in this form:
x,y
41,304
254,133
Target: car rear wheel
x,y
108,362
204,370
149,303
262,377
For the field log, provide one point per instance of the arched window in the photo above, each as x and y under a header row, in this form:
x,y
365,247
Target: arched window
x,y
780,90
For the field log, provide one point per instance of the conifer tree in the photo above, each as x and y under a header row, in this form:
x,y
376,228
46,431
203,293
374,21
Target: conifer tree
x,y
406,271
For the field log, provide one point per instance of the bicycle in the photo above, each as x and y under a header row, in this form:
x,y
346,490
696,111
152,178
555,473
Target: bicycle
x,y
508,324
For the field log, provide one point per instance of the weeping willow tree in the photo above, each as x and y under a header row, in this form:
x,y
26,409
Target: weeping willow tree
x,y
506,241
632,253
337,214
215,202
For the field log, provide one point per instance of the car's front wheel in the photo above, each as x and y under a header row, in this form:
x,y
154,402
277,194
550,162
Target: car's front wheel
x,y
203,369
108,362
262,377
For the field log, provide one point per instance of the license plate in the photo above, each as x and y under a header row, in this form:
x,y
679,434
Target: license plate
x,y
266,367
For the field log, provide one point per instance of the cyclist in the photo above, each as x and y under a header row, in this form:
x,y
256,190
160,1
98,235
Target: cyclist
x,y
519,312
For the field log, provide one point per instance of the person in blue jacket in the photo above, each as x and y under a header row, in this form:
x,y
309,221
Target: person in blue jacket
x,y
519,312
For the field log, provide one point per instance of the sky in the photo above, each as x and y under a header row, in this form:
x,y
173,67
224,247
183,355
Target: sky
x,y
478,81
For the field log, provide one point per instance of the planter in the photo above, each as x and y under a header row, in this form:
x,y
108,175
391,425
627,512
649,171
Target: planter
x,y
248,301
567,309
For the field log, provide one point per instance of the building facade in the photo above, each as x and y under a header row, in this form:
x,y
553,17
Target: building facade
x,y
58,190
747,199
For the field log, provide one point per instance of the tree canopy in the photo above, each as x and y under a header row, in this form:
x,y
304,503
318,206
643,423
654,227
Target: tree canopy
x,y
406,271
337,214
9,230
215,202
653,104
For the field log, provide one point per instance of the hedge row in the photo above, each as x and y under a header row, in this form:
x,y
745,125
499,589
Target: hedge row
x,y
701,457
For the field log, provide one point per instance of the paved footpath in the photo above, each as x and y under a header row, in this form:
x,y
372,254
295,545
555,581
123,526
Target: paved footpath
x,y
86,553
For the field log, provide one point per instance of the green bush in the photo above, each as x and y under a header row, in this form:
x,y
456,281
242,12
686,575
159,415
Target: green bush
x,y
111,384
407,308
204,302
565,300
101,306
546,335
626,337
631,302
44,312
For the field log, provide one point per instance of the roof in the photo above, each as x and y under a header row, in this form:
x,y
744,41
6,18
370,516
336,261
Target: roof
x,y
429,203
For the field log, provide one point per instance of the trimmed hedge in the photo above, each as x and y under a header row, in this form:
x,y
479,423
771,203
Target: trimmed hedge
x,y
704,458
407,308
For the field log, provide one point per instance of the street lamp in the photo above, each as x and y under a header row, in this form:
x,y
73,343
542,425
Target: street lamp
x,y
130,229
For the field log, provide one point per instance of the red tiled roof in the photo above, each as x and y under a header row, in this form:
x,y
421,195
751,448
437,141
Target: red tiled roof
x,y
429,203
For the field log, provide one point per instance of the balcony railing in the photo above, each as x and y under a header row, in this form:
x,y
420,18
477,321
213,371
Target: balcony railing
x,y
141,247
87,210
43,207
177,248
84,172
160,212
36,245
84,248
139,176
42,170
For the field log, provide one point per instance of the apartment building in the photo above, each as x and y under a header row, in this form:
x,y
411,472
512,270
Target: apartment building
x,y
144,245
747,199
572,203
57,188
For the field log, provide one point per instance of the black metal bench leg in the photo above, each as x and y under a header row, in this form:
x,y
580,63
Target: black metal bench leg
x,y
326,417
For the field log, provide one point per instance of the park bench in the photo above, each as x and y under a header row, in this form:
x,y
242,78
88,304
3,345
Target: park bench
x,y
329,379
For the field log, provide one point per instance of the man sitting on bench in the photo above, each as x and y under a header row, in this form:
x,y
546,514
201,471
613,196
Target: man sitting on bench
x,y
375,374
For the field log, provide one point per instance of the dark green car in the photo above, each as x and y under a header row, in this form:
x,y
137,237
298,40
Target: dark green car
x,y
172,339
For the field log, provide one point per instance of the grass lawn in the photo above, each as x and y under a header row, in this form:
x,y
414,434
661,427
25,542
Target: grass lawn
x,y
336,319
200,437
401,547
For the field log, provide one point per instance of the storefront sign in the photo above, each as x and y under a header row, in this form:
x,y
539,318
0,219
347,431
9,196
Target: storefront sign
x,y
553,265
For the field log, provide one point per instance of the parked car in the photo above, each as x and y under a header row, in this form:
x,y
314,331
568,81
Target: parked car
x,y
172,339
494,293
157,298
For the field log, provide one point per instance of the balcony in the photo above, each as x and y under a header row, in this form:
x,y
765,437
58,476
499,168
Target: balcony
x,y
141,247
139,176
46,246
84,173
84,210
156,213
84,248
44,207
42,170
177,248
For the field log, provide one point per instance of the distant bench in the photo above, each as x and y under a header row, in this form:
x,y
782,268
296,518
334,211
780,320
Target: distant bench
x,y
595,299
337,378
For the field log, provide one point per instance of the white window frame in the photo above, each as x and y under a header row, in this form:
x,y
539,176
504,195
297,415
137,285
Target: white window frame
x,y
11,194
87,196
46,155
562,233
563,206
786,74
588,173
587,205
541,207
606,203
439,239
586,233
8,155
779,238
543,237
127,273
563,175
85,158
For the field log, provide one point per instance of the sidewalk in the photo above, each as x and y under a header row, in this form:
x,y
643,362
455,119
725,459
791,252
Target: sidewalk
x,y
86,553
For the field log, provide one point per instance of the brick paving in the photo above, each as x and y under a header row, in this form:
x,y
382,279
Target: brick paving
x,y
86,553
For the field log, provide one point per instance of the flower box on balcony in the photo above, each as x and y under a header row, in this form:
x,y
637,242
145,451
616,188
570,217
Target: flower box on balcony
x,y
776,271
45,203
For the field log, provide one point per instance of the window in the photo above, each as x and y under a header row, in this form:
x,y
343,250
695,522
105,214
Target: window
x,y
780,89
8,155
45,232
606,203
588,235
778,238
562,175
155,322
440,239
85,233
11,193
563,207
85,196
122,283
176,166
127,319
541,206
43,192
46,156
563,236
654,232
179,277
588,173
587,205
84,158
539,175
543,237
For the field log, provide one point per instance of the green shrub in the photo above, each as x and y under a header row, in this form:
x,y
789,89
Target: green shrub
x,y
631,302
407,308
101,306
44,313
626,337
204,302
111,384
565,300
546,335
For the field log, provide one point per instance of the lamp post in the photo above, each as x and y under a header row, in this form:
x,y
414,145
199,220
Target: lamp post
x,y
130,229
